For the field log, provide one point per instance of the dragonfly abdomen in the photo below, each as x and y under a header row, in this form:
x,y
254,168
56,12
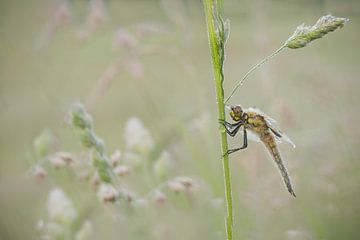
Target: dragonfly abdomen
x,y
270,143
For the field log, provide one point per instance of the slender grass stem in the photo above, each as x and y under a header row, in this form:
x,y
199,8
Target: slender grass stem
x,y
242,80
218,78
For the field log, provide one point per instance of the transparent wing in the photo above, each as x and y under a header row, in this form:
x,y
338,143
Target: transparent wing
x,y
279,135
258,111
251,136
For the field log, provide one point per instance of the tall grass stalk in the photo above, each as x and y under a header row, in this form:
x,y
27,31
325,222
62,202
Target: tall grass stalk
x,y
217,36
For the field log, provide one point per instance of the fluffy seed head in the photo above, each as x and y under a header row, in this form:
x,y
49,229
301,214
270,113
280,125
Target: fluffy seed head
x,y
107,193
122,170
115,158
163,166
85,232
44,143
160,197
303,35
137,137
40,173
60,207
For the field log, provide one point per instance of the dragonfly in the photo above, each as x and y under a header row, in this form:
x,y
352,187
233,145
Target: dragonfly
x,y
259,127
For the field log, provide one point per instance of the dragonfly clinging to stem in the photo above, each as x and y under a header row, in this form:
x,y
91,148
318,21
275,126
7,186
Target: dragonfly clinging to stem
x,y
261,127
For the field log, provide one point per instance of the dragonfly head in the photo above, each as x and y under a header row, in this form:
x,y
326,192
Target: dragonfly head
x,y
236,113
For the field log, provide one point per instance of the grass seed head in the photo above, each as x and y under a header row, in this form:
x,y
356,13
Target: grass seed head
x,y
163,166
303,35
44,143
115,158
60,208
107,193
160,197
40,173
80,118
122,170
85,232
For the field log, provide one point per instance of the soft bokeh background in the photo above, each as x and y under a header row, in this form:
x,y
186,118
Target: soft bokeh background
x,y
53,54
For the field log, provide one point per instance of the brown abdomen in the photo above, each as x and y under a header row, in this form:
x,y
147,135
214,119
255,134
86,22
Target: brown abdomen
x,y
269,141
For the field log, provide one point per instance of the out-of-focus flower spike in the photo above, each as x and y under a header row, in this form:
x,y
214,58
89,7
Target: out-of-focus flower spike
x,y
163,166
60,207
187,182
44,143
107,193
62,159
95,181
135,67
124,39
40,173
115,158
57,19
102,167
80,118
176,186
137,137
89,140
133,160
85,232
97,14
149,28
159,197
122,170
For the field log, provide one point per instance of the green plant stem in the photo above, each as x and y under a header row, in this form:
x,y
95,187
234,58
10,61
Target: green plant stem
x,y
252,69
218,77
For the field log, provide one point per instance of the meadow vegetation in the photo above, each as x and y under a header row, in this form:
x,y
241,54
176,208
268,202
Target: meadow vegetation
x,y
109,126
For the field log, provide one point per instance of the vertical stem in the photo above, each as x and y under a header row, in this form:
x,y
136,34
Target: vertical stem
x,y
218,77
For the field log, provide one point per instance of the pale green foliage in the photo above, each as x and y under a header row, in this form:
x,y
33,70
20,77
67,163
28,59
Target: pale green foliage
x,y
218,33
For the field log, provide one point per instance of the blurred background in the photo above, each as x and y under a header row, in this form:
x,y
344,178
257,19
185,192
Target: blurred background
x,y
148,62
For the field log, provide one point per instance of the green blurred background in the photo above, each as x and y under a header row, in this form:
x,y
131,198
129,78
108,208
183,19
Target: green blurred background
x,y
46,63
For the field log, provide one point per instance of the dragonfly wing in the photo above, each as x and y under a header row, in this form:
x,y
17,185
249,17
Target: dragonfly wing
x,y
288,140
258,111
281,137
251,136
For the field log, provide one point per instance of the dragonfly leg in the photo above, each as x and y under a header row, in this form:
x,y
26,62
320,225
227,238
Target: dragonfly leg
x,y
227,124
230,151
233,132
231,128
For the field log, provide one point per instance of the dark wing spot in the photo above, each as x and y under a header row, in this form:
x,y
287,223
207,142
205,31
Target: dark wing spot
x,y
276,133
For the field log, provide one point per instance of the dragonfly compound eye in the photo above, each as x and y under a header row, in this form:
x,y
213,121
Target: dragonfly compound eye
x,y
238,110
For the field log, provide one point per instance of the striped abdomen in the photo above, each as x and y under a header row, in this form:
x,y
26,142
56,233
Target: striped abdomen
x,y
269,141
